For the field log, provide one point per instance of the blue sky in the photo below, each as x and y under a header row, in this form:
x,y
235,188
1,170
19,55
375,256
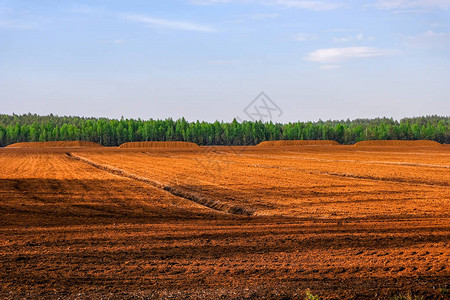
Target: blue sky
x,y
208,59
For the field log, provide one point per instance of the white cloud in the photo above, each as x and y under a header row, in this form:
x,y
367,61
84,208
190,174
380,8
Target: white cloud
x,y
342,39
330,67
226,62
412,4
429,39
19,20
341,30
209,2
17,25
310,5
316,5
263,16
117,42
433,35
357,38
170,24
302,37
5,10
84,9
339,54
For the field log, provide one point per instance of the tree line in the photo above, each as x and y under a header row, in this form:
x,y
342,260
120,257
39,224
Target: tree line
x,y
112,132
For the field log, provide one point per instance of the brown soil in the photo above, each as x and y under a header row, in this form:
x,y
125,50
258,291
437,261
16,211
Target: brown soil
x,y
297,143
344,222
60,144
397,143
158,145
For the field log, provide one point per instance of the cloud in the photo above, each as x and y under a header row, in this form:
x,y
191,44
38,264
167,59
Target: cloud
x,y
209,2
19,20
148,20
229,62
412,4
341,30
316,5
84,9
340,54
117,42
330,67
170,24
309,5
263,16
16,25
429,39
358,38
302,37
5,10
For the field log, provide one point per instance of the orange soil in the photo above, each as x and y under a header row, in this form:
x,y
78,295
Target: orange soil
x,y
341,221
60,144
158,145
297,143
398,143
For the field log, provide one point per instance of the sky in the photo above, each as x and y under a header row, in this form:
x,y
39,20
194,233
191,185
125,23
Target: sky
x,y
210,59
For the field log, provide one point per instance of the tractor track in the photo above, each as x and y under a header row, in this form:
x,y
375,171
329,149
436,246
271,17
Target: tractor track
x,y
174,190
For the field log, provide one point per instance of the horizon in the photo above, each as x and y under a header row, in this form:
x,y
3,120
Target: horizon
x,y
222,121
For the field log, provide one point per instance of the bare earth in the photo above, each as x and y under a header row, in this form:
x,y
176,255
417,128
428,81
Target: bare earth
x,y
232,222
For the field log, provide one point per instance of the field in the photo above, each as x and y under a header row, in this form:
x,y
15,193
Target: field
x,y
365,222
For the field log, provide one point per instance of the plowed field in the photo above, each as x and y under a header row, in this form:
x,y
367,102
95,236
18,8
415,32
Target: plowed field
x,y
231,222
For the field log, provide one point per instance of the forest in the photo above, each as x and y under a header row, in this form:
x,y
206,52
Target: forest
x,y
113,132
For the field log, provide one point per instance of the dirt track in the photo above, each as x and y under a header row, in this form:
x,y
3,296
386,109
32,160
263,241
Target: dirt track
x,y
345,222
